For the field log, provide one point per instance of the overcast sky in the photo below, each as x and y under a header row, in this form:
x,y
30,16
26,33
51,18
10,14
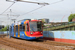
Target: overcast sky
x,y
54,12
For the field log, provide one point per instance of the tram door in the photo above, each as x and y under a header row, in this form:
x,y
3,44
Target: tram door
x,y
18,30
23,29
14,30
27,28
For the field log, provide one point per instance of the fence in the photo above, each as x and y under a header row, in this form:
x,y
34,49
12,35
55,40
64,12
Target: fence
x,y
4,32
60,36
62,26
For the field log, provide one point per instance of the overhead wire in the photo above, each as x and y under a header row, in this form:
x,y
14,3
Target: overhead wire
x,y
34,2
7,8
57,2
32,10
39,8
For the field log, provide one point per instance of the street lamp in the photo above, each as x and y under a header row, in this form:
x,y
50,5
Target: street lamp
x,y
9,17
7,24
29,2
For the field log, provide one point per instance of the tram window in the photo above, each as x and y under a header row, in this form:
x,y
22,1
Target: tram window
x,y
20,27
23,27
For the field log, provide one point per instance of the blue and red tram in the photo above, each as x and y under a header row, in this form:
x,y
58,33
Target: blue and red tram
x,y
27,29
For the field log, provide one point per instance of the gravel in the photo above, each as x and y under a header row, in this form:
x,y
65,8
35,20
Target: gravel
x,y
36,43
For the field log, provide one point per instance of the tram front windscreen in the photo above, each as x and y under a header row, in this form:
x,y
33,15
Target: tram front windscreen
x,y
35,26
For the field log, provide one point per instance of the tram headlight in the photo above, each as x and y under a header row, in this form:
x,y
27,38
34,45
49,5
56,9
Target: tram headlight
x,y
31,33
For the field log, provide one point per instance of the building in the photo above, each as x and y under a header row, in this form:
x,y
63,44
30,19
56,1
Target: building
x,y
45,20
73,20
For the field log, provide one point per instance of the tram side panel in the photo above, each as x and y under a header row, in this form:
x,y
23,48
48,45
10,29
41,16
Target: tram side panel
x,y
23,31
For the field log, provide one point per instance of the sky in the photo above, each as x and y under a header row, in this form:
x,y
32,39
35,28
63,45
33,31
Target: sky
x,y
56,11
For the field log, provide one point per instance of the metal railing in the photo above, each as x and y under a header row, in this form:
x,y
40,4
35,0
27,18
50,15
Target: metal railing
x,y
62,26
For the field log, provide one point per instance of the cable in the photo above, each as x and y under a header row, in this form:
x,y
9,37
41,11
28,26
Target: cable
x,y
62,18
41,7
7,8
57,2
32,11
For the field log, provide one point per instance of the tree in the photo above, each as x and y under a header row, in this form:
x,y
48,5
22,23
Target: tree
x,y
43,22
71,17
4,29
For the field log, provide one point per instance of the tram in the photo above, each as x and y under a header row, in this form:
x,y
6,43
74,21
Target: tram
x,y
27,29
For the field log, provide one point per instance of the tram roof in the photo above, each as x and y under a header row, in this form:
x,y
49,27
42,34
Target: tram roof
x,y
19,22
22,22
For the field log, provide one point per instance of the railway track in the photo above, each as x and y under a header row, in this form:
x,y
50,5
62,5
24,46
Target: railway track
x,y
35,47
3,35
67,45
20,46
